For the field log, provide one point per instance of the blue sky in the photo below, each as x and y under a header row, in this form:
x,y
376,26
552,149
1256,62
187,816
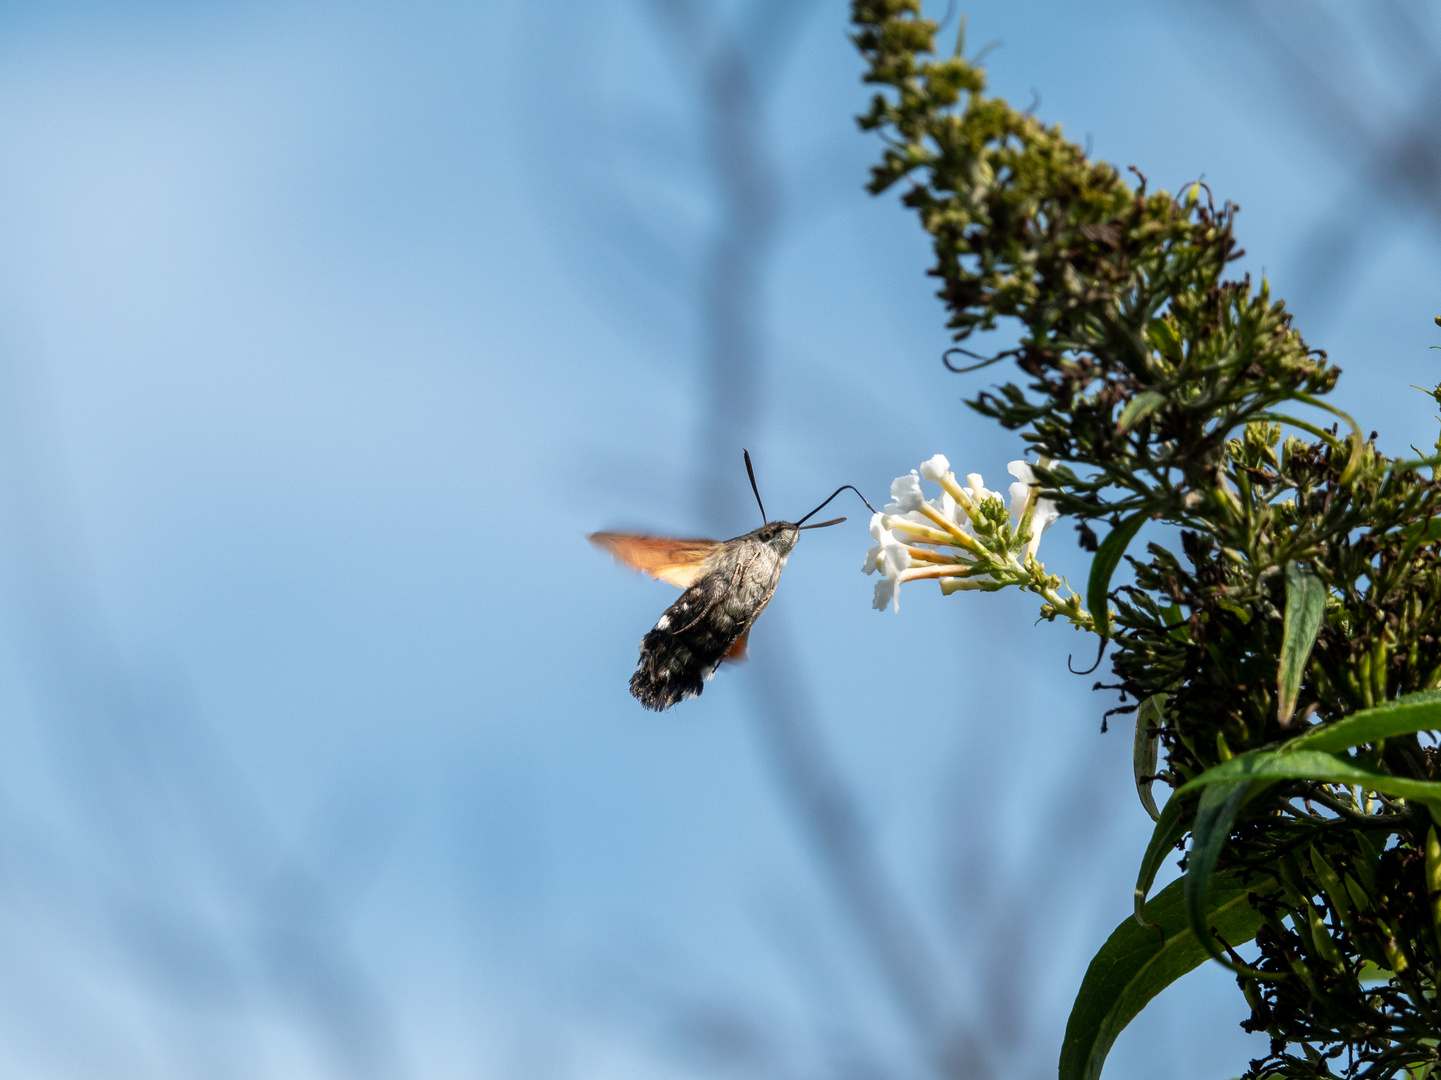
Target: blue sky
x,y
326,332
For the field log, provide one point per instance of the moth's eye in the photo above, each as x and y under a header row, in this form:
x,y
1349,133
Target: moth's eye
x,y
768,534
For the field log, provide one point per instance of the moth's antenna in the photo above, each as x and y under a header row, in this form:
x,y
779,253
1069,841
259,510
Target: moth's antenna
x,y
837,491
752,474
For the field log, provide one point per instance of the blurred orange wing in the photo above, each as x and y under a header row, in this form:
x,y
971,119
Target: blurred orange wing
x,y
679,562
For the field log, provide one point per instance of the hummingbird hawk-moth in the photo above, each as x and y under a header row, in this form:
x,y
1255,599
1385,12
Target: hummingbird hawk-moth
x,y
727,584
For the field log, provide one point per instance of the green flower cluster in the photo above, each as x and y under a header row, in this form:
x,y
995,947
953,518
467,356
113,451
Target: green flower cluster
x,y
1286,653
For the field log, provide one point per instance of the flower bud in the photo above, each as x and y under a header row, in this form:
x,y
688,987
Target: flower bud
x,y
1331,883
1359,896
1325,947
1433,877
1395,953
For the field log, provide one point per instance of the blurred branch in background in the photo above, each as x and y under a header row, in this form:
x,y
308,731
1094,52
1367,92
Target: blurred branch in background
x,y
730,59
1365,82
153,922
1009,921
793,739
740,53
733,60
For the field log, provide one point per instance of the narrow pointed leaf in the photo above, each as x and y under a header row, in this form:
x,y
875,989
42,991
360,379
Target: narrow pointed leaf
x,y
1424,532
1138,408
1135,965
1273,765
1146,752
1170,827
1217,811
1108,557
1400,716
1305,608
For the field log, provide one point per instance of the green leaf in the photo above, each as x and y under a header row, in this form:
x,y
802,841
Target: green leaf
x,y
1135,965
1311,765
1235,607
1162,335
1220,802
1169,829
1399,716
1358,441
1147,751
1138,408
1372,972
1424,532
1305,608
1108,557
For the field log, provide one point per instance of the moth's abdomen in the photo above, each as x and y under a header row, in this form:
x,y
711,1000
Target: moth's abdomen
x,y
693,636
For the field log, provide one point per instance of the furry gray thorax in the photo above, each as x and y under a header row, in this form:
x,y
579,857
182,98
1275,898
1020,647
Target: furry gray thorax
x,y
696,632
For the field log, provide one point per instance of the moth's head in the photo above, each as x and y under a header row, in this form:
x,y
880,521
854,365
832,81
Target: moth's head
x,y
780,536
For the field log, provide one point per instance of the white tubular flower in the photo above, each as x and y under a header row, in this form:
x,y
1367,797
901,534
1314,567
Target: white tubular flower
x,y
1021,490
954,511
888,592
891,558
965,541
1026,502
906,491
951,540
935,469
979,491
